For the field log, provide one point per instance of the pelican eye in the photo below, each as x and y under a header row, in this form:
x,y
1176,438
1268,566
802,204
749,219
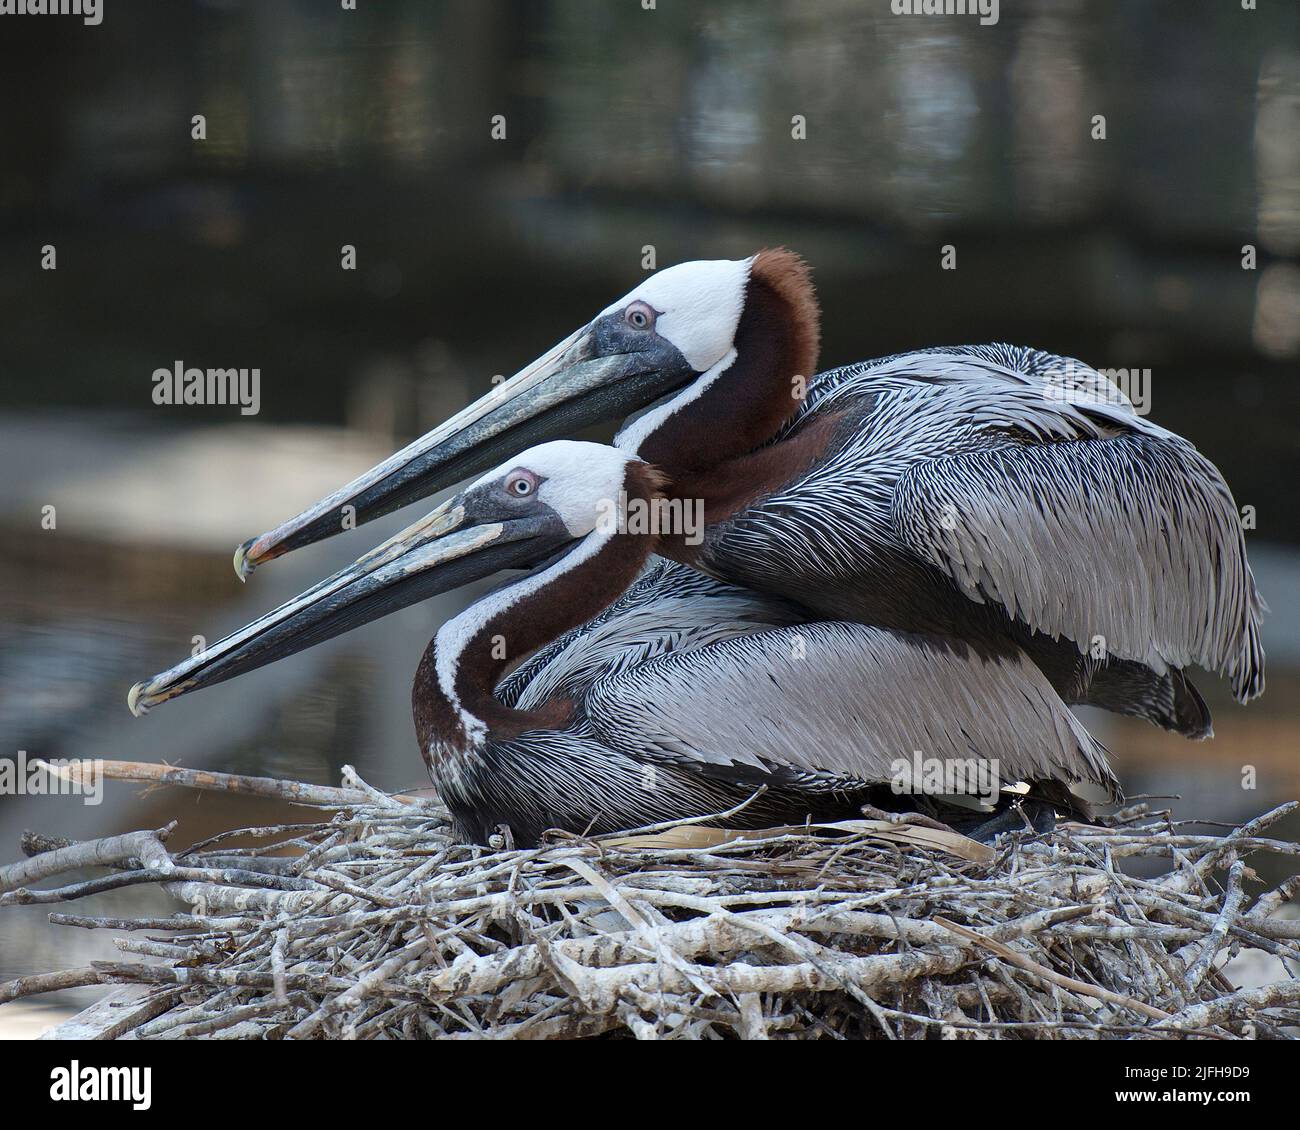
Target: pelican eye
x,y
520,485
640,315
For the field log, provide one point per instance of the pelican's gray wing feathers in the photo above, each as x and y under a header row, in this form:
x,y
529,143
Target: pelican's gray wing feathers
x,y
1129,545
670,607
1032,482
843,703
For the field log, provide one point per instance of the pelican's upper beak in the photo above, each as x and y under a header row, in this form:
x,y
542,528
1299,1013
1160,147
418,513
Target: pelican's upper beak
x,y
603,372
434,555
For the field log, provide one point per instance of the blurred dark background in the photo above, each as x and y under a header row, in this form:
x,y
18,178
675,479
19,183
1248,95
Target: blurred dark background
x,y
625,128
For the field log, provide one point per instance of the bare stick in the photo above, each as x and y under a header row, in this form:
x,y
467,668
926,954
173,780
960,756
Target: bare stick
x,y
296,792
1070,983
38,983
1247,1001
1197,970
92,853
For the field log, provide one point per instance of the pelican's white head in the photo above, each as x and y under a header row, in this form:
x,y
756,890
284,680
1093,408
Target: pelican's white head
x,y
694,307
580,482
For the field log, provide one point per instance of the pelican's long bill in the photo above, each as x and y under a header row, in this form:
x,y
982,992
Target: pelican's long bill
x,y
440,552
680,324
594,375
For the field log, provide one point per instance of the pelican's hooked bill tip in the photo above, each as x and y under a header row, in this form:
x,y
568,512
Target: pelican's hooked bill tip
x,y
243,567
143,697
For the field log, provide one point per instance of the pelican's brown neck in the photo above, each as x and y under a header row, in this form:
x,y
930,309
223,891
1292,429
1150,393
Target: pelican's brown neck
x,y
453,696
744,406
717,449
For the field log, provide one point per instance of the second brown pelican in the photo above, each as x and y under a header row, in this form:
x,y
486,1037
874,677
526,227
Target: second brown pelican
x,y
678,699
998,495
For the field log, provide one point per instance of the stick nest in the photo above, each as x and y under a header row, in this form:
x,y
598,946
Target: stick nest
x,y
371,921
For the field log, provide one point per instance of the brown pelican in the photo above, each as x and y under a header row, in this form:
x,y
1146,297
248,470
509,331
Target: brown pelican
x,y
678,699
994,494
